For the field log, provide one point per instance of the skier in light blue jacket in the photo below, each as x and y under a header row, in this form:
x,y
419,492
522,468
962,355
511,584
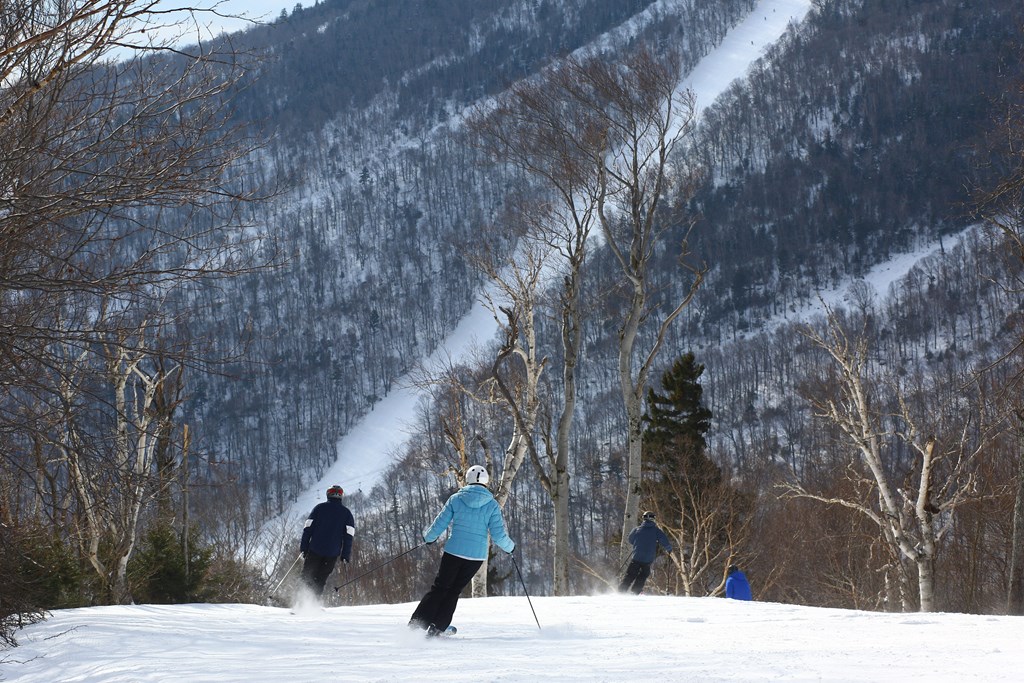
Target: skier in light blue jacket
x,y
473,515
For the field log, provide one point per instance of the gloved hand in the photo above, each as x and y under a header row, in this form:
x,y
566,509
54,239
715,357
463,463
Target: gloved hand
x,y
430,542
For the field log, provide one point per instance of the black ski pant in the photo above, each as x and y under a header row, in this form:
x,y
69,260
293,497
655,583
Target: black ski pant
x,y
636,577
438,606
315,570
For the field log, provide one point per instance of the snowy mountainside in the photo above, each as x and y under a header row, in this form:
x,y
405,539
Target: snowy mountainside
x,y
428,60
380,204
367,450
944,317
376,208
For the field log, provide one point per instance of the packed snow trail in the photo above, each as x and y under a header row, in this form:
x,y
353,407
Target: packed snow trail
x,y
366,451
742,46
611,638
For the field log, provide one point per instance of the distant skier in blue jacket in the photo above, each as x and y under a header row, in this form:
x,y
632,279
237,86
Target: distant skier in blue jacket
x,y
645,540
736,585
473,515
327,535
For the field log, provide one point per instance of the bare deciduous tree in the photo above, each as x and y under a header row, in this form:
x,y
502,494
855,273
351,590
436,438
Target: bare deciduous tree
x,y
121,185
715,523
640,116
597,137
912,500
519,286
1002,209
539,128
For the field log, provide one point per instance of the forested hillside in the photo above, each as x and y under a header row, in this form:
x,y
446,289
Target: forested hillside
x,y
377,211
854,140
826,163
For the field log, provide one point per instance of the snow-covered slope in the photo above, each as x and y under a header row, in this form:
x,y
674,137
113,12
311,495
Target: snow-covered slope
x,y
604,638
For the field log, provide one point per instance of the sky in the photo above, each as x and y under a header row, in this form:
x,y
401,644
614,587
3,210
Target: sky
x,y
228,16
593,639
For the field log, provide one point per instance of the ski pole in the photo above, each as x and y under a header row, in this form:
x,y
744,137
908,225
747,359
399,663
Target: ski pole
x,y
626,561
373,569
348,573
620,575
286,574
526,592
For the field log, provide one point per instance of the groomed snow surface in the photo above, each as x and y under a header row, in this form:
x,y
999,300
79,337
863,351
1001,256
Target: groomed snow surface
x,y
602,638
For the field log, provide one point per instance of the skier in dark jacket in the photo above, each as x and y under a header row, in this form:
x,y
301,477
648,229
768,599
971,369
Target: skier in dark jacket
x,y
327,535
645,540
736,586
475,519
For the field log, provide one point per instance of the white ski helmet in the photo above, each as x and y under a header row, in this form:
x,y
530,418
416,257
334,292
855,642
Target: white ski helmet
x,y
477,475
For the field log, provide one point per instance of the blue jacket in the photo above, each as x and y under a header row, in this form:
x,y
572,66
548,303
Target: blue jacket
x,y
645,539
737,586
329,530
472,513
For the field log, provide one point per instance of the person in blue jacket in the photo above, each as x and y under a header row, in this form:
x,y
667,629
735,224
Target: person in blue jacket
x,y
736,585
645,540
328,534
473,515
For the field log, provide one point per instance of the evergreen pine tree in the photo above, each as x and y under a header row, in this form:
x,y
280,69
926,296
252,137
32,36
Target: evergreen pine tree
x,y
676,465
698,506
158,572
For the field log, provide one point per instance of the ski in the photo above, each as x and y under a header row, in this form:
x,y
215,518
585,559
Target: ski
x,y
434,632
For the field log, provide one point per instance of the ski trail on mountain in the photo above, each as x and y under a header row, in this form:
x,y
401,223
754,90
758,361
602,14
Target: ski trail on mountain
x,y
367,450
741,47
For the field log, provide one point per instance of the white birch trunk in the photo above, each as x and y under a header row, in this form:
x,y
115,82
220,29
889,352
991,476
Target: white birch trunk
x,y
906,518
